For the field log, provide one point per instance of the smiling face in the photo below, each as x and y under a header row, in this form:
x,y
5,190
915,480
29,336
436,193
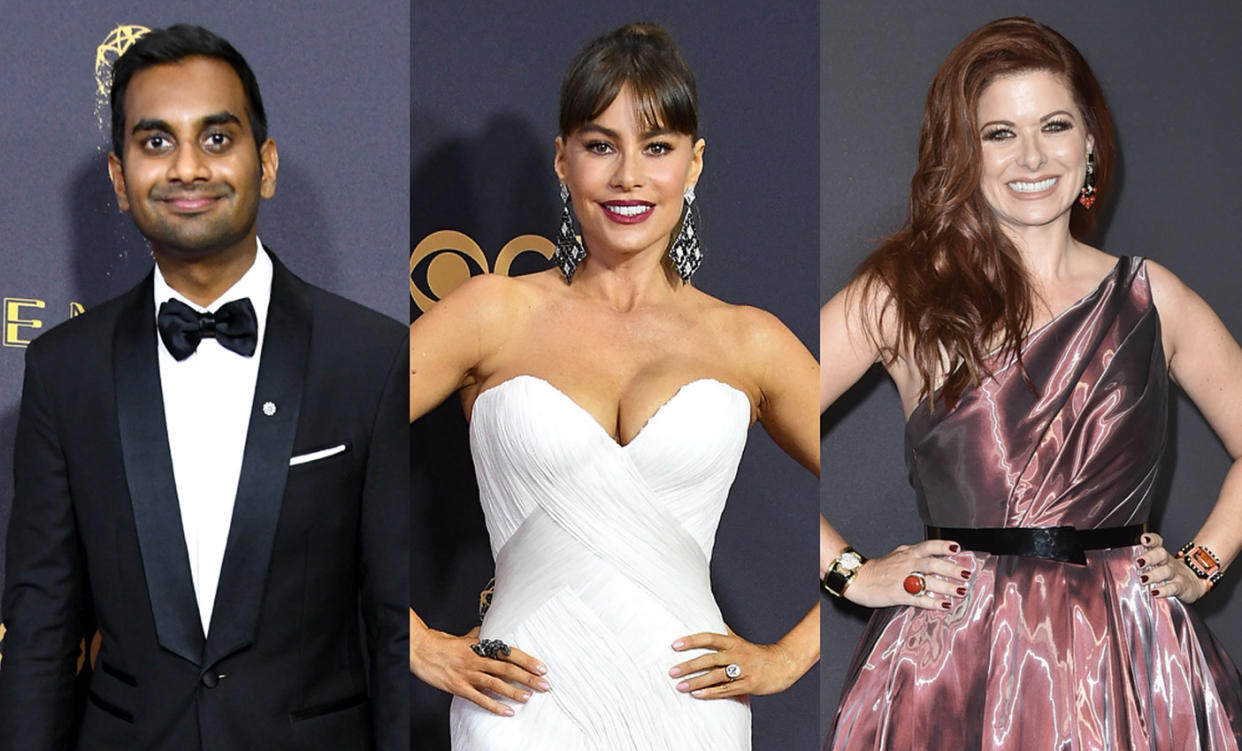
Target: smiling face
x,y
627,178
190,172
1034,149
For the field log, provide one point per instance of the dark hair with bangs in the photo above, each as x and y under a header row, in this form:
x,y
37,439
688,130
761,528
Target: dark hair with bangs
x,y
644,57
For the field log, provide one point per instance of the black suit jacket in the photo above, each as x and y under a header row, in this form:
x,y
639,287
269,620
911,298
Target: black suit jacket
x,y
95,539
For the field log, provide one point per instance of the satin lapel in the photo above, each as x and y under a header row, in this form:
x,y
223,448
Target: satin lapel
x,y
149,474
265,467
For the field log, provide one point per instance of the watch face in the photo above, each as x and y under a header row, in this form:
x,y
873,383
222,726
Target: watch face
x,y
850,560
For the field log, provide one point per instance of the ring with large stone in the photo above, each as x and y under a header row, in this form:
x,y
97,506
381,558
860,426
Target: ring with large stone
x,y
733,671
491,648
915,583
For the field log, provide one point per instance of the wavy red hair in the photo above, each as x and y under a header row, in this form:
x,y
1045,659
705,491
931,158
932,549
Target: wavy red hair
x,y
951,285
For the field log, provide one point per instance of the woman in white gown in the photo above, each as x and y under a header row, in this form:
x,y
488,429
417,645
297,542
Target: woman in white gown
x,y
609,401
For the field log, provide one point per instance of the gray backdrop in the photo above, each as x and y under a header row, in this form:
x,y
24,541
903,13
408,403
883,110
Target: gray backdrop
x,y
486,78
335,83
1170,75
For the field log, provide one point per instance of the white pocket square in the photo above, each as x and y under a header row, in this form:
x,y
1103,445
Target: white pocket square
x,y
315,456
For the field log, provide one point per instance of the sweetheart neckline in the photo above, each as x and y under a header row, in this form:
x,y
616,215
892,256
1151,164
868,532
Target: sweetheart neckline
x,y
583,410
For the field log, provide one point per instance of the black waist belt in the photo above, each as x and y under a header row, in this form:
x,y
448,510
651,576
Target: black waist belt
x,y
1054,543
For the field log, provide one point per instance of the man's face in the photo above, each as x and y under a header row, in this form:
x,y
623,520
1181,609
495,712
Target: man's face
x,y
189,172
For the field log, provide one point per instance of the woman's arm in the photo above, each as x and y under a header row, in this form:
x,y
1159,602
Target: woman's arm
x,y
847,350
784,373
450,341
1205,360
447,345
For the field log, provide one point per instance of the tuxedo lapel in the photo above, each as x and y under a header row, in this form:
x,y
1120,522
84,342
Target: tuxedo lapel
x,y
265,467
149,475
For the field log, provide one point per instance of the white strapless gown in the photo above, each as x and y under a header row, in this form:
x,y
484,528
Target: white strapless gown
x,y
602,555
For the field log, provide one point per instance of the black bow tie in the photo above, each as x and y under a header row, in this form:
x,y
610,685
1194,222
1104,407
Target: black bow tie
x,y
234,325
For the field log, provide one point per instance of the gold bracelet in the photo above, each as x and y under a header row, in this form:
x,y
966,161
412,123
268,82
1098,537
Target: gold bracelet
x,y
842,571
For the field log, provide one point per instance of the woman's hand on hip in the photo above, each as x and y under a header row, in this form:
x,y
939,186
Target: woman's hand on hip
x,y
1164,575
881,582
448,663
758,668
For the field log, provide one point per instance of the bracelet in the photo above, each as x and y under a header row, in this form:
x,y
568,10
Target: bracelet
x,y
1202,562
842,571
485,598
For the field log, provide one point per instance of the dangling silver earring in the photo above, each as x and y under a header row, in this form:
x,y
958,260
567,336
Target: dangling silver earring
x,y
569,249
685,253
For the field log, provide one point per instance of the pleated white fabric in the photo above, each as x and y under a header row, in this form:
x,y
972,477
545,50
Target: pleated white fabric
x,y
602,561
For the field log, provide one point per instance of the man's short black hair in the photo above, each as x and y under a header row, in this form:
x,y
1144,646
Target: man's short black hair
x,y
171,45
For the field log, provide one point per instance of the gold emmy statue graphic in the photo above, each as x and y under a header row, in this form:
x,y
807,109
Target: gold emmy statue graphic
x,y
113,46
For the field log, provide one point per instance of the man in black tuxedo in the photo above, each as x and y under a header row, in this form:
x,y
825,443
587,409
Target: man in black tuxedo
x,y
211,469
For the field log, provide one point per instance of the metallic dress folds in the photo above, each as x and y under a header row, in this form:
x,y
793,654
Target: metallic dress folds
x,y
1043,654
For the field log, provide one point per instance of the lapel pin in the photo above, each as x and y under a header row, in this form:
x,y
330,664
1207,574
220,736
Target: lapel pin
x,y
269,408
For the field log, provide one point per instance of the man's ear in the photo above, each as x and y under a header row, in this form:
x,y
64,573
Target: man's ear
x,y
269,163
117,175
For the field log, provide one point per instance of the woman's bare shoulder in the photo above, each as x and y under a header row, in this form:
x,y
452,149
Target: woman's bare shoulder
x,y
751,328
864,309
494,298
1167,289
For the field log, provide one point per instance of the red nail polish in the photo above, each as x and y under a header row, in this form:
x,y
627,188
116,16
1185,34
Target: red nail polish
x,y
954,548
1141,562
1143,578
961,590
944,605
965,574
1155,592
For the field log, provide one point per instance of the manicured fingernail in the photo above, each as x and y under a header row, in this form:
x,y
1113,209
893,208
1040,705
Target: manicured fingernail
x,y
674,672
541,668
1155,593
954,547
1141,562
526,696
945,605
1143,578
697,693
1146,540
543,685
508,711
965,574
678,644
683,686
961,590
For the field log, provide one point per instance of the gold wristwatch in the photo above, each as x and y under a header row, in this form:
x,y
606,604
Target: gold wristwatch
x,y
842,571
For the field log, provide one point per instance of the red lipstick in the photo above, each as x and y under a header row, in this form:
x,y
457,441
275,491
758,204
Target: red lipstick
x,y
627,212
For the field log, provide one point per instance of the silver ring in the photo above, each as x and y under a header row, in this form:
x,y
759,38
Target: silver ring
x,y
733,671
491,648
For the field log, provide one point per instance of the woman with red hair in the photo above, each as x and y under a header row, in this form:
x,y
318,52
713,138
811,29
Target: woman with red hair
x,y
1041,612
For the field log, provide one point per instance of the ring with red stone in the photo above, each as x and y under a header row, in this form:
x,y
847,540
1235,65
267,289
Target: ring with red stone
x,y
915,583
